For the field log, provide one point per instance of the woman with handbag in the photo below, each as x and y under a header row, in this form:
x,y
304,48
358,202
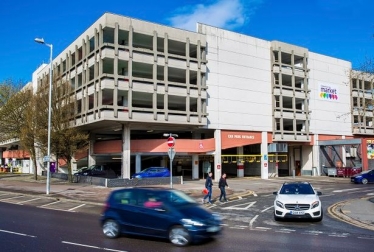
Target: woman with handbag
x,y
208,186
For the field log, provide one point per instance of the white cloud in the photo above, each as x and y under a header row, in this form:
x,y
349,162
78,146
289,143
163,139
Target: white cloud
x,y
227,14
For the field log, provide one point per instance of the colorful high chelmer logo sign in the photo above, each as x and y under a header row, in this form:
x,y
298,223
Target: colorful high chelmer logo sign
x,y
328,92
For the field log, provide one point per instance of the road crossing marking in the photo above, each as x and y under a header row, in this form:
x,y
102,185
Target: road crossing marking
x,y
237,207
72,209
21,202
266,209
15,197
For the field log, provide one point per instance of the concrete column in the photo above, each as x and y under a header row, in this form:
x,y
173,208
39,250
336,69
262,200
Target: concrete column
x,y
264,156
315,155
91,159
240,165
138,163
217,155
126,152
195,166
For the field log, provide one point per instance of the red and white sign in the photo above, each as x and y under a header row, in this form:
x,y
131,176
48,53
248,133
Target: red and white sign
x,y
171,142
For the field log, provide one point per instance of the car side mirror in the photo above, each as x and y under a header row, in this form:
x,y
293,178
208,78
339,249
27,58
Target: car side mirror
x,y
275,193
319,193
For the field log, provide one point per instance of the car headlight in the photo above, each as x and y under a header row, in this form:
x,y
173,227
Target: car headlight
x,y
190,222
358,177
315,204
217,217
280,204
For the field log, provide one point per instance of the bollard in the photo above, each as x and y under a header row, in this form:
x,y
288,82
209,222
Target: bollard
x,y
293,173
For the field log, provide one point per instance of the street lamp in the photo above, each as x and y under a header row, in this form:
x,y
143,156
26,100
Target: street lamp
x,y
48,158
171,143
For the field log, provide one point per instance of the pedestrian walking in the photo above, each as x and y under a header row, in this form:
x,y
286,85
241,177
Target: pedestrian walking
x,y
222,186
208,186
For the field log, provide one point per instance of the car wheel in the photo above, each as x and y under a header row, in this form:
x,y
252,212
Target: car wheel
x,y
111,229
364,181
179,236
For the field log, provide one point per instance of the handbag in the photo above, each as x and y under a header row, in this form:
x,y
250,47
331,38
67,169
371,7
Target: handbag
x,y
205,191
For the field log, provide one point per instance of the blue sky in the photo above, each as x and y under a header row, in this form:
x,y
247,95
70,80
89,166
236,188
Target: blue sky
x,y
339,28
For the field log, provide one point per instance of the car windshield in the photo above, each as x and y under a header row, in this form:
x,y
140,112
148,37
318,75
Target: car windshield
x,y
297,189
176,197
364,172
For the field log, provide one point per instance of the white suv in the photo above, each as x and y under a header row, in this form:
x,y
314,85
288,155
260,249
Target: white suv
x,y
297,200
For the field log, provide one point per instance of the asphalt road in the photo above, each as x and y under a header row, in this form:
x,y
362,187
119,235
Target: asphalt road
x,y
29,224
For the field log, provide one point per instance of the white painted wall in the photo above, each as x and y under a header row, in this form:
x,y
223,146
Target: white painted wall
x,y
331,117
239,81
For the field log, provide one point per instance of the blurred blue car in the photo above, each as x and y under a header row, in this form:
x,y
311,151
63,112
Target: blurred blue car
x,y
158,212
152,172
363,177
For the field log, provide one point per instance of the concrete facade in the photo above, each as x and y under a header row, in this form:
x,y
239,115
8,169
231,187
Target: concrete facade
x,y
262,105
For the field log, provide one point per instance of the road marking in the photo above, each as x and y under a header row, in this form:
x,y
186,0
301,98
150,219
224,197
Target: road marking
x,y
266,209
345,190
287,230
71,209
15,197
49,204
251,222
237,228
326,195
90,246
237,207
21,202
10,232
263,228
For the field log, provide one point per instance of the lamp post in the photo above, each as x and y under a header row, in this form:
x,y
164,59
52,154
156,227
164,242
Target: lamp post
x,y
48,158
171,152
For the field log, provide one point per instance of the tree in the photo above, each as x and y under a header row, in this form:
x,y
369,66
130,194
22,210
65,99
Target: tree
x,y
66,138
11,116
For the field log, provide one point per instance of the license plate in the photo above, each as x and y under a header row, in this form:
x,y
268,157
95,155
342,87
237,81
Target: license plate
x,y
213,229
297,212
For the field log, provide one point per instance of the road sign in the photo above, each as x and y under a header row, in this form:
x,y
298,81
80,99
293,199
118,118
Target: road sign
x,y
171,142
171,153
46,159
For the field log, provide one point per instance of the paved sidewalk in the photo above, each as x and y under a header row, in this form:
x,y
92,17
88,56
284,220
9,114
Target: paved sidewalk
x,y
358,212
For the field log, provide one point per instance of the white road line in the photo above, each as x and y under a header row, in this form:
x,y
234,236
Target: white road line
x,y
266,209
71,209
21,202
15,197
239,207
268,195
237,228
10,232
287,230
326,195
345,190
369,238
89,246
50,204
265,228
253,220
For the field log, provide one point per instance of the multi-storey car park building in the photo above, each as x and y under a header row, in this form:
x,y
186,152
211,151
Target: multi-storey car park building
x,y
239,104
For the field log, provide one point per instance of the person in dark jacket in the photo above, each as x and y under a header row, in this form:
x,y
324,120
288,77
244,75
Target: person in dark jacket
x,y
222,186
208,185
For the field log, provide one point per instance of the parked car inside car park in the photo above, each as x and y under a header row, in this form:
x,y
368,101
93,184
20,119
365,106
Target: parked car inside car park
x,y
152,172
103,170
363,177
297,200
158,212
